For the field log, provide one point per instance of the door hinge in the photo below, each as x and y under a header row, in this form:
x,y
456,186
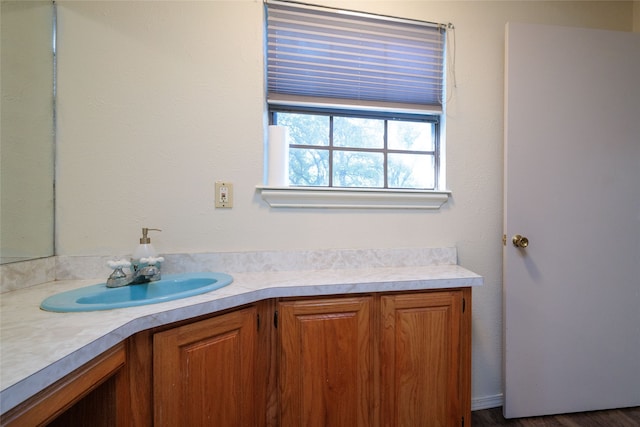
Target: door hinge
x,y
258,321
464,304
275,319
462,421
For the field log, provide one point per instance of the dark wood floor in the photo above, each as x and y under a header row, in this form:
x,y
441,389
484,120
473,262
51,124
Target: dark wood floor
x,y
628,417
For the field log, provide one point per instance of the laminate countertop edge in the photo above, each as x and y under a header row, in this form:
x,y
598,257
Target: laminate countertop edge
x,y
38,347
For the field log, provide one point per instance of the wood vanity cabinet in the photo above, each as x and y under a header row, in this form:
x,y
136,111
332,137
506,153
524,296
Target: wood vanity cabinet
x,y
397,359
425,365
326,362
204,372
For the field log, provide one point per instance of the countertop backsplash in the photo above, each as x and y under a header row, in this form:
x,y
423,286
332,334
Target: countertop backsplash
x,y
24,274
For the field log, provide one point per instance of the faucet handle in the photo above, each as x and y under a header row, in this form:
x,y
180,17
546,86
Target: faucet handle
x,y
121,263
152,260
118,277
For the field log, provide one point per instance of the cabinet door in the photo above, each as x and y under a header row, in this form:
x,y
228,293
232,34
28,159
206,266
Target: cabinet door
x,y
203,373
420,359
326,362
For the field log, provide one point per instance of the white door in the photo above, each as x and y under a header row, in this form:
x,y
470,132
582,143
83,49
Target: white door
x,y
572,187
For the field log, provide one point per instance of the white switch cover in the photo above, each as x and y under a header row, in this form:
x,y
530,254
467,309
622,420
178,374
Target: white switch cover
x,y
224,194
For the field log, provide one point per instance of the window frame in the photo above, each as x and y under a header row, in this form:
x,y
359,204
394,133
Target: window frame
x,y
434,119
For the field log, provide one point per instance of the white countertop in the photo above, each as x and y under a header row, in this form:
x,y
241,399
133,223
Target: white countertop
x,y
37,347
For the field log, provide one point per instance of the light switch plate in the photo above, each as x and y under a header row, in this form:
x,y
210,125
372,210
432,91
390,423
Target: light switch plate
x,y
224,194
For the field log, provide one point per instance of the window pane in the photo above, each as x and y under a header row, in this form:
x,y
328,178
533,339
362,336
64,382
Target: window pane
x,y
358,133
358,169
411,171
410,136
305,129
308,167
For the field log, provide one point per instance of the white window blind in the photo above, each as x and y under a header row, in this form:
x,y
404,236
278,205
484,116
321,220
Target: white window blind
x,y
328,57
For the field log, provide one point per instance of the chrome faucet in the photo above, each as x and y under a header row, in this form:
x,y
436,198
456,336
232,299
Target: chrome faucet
x,y
144,270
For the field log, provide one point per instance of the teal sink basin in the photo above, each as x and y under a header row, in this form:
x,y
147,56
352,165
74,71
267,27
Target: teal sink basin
x,y
170,287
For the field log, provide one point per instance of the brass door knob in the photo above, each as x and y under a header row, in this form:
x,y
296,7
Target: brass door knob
x,y
520,241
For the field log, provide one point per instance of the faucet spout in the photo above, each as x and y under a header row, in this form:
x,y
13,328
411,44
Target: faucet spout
x,y
150,273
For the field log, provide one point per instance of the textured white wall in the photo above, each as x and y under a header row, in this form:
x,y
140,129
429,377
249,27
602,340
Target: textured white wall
x,y
157,100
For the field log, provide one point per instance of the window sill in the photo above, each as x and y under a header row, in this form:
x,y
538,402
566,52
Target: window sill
x,y
350,198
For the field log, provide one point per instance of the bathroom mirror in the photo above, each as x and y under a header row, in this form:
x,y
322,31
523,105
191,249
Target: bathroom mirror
x,y
27,130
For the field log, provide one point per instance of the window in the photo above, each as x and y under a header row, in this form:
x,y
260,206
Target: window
x,y
360,149
361,96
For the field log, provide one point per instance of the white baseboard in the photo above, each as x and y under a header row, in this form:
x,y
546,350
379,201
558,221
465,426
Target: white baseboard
x,y
486,402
